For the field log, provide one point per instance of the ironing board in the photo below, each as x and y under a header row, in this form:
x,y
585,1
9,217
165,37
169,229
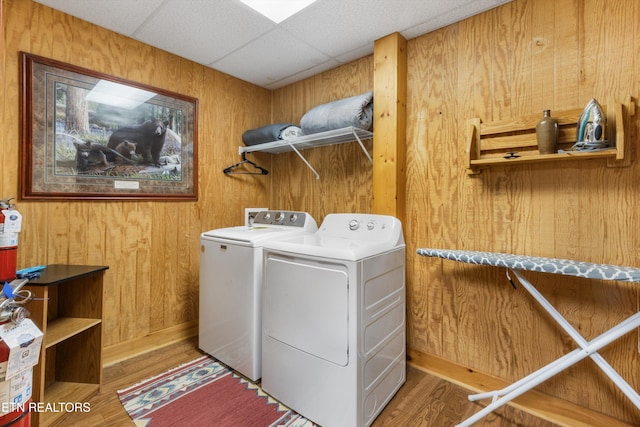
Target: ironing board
x,y
517,263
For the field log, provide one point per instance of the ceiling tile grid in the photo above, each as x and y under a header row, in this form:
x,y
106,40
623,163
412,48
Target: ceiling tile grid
x,y
232,38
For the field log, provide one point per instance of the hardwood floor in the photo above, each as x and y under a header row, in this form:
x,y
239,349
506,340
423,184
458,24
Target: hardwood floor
x,y
424,400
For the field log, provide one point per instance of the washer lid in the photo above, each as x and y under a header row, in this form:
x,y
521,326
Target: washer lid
x,y
252,236
267,225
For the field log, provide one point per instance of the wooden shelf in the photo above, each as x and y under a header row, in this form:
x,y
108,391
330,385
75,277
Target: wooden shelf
x,y
66,327
67,307
513,141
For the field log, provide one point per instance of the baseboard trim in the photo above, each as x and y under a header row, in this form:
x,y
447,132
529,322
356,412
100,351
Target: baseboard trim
x,y
132,348
541,405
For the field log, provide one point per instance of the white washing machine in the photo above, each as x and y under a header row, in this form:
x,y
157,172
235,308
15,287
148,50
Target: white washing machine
x,y
333,343
230,320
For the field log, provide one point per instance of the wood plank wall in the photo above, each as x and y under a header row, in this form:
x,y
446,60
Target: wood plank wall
x,y
520,58
345,183
152,248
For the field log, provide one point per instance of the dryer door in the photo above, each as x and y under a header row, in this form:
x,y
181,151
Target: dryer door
x,y
306,306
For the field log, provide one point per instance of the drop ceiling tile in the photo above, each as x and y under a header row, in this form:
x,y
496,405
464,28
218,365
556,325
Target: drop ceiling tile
x,y
302,75
338,26
121,16
231,37
274,56
205,30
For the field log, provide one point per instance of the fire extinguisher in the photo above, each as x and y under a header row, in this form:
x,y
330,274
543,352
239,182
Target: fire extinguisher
x,y
10,220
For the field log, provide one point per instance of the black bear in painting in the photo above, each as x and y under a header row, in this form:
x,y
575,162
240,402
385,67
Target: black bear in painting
x,y
127,149
93,153
149,137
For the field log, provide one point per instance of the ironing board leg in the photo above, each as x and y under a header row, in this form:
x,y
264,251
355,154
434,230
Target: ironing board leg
x,y
587,349
573,333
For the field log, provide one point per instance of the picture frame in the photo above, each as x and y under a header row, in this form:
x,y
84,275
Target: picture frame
x,y
90,136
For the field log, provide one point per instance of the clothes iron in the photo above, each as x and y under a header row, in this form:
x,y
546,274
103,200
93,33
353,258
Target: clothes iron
x,y
591,128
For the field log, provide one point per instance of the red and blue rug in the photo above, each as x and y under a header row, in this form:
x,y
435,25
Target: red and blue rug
x,y
204,393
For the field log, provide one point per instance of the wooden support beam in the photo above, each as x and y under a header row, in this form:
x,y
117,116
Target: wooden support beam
x,y
389,125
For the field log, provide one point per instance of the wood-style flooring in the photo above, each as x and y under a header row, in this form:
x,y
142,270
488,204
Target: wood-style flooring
x,y
423,401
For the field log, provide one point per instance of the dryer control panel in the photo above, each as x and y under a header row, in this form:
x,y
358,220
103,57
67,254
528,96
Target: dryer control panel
x,y
363,227
285,218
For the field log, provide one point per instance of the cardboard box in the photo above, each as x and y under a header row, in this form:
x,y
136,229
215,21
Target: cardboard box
x,y
23,341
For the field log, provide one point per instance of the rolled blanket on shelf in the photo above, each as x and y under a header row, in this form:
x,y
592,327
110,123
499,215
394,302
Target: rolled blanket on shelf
x,y
356,111
270,133
291,132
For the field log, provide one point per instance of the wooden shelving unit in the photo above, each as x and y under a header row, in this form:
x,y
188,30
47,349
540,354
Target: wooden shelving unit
x,y
513,141
68,309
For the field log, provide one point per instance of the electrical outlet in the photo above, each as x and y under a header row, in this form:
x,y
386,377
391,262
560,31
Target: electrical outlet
x,y
250,215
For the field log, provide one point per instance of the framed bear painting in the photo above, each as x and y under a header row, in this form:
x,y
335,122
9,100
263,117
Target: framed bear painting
x,y
87,135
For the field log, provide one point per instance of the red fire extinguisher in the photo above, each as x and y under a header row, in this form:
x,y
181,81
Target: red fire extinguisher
x,y
8,240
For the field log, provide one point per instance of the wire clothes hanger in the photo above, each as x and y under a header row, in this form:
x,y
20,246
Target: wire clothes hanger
x,y
258,170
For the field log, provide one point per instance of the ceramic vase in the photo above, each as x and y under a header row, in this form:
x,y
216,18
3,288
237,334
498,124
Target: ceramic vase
x,y
547,133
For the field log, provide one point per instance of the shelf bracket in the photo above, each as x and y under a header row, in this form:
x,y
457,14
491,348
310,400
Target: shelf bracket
x,y
364,150
304,160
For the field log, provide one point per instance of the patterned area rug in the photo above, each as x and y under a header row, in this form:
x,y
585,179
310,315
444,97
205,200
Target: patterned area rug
x,y
204,393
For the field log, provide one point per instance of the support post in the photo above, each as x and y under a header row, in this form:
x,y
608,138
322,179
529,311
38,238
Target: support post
x,y
389,125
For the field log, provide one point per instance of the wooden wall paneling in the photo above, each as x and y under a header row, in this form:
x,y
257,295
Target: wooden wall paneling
x,y
454,288
513,48
167,218
148,288
543,18
230,120
567,50
509,187
143,268
520,51
434,106
423,302
117,277
58,232
472,300
169,270
132,254
462,313
186,283
345,173
576,209
390,92
79,223
158,243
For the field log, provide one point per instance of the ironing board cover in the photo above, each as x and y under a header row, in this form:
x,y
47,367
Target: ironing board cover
x,y
540,264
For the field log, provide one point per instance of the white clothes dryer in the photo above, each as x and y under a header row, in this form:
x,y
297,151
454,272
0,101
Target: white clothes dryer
x,y
334,336
231,266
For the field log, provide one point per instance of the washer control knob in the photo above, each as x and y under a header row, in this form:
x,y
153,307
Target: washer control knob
x,y
353,224
267,216
293,217
371,225
279,216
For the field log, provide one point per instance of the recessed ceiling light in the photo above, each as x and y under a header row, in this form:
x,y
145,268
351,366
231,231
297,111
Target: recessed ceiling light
x,y
277,10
